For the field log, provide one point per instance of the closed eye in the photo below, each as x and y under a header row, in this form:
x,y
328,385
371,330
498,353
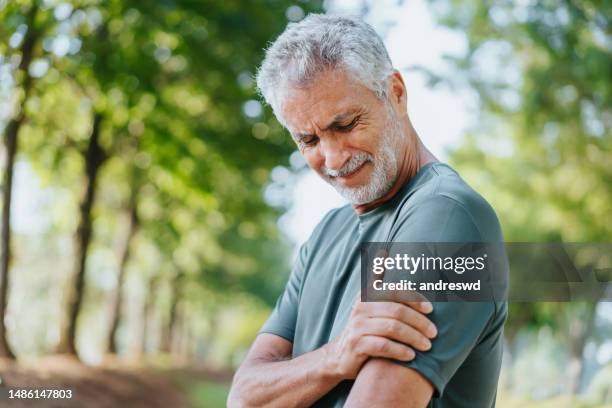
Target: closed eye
x,y
348,127
308,140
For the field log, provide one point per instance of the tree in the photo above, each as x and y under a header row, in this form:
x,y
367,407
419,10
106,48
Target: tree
x,y
94,158
179,121
172,107
124,257
27,51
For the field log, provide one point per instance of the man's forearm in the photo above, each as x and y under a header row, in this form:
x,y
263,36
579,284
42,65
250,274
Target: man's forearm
x,y
382,383
298,382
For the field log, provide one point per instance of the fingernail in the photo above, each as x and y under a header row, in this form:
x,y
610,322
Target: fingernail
x,y
426,307
432,331
410,354
426,344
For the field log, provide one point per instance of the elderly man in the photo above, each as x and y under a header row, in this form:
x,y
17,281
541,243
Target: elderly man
x,y
331,83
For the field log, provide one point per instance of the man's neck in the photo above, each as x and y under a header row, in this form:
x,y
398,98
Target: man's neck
x,y
415,156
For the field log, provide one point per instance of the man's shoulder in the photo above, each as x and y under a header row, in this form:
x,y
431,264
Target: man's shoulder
x,y
443,195
444,183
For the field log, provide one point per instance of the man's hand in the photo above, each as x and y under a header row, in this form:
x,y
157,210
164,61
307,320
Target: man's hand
x,y
380,329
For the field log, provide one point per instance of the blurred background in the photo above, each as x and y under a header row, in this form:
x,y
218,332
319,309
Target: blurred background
x,y
152,205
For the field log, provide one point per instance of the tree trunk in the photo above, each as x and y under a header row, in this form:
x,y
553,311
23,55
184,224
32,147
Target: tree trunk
x,y
212,335
184,342
133,223
149,315
580,328
171,329
136,350
177,334
11,133
94,158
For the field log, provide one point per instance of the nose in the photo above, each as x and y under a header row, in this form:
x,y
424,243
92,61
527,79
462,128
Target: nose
x,y
334,153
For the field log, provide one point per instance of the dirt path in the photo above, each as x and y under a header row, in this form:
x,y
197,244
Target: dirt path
x,y
95,387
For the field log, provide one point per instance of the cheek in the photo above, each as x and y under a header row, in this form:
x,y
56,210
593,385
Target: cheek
x,y
366,140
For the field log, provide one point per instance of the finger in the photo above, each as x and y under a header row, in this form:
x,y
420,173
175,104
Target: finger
x,y
413,299
403,313
397,331
375,346
408,297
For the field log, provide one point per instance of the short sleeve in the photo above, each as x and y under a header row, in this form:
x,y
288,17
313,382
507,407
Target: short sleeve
x,y
461,324
283,319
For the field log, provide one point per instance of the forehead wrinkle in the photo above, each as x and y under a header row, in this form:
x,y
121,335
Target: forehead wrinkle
x,y
340,117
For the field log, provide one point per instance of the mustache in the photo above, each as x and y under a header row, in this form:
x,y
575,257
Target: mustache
x,y
356,161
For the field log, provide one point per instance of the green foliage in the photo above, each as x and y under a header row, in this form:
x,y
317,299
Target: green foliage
x,y
170,80
542,148
544,137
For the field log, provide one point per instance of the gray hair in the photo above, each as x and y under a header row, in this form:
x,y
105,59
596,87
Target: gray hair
x,y
320,42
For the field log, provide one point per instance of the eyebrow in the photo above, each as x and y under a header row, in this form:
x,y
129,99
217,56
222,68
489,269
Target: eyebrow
x,y
337,122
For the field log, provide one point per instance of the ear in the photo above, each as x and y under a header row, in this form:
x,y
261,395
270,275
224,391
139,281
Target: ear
x,y
397,93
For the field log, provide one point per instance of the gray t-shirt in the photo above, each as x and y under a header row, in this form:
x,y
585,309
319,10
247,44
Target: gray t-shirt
x,y
436,205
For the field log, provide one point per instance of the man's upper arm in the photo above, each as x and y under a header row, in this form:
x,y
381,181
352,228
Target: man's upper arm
x,y
283,319
382,383
460,324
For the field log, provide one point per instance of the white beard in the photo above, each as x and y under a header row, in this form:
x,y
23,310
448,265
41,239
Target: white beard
x,y
385,164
